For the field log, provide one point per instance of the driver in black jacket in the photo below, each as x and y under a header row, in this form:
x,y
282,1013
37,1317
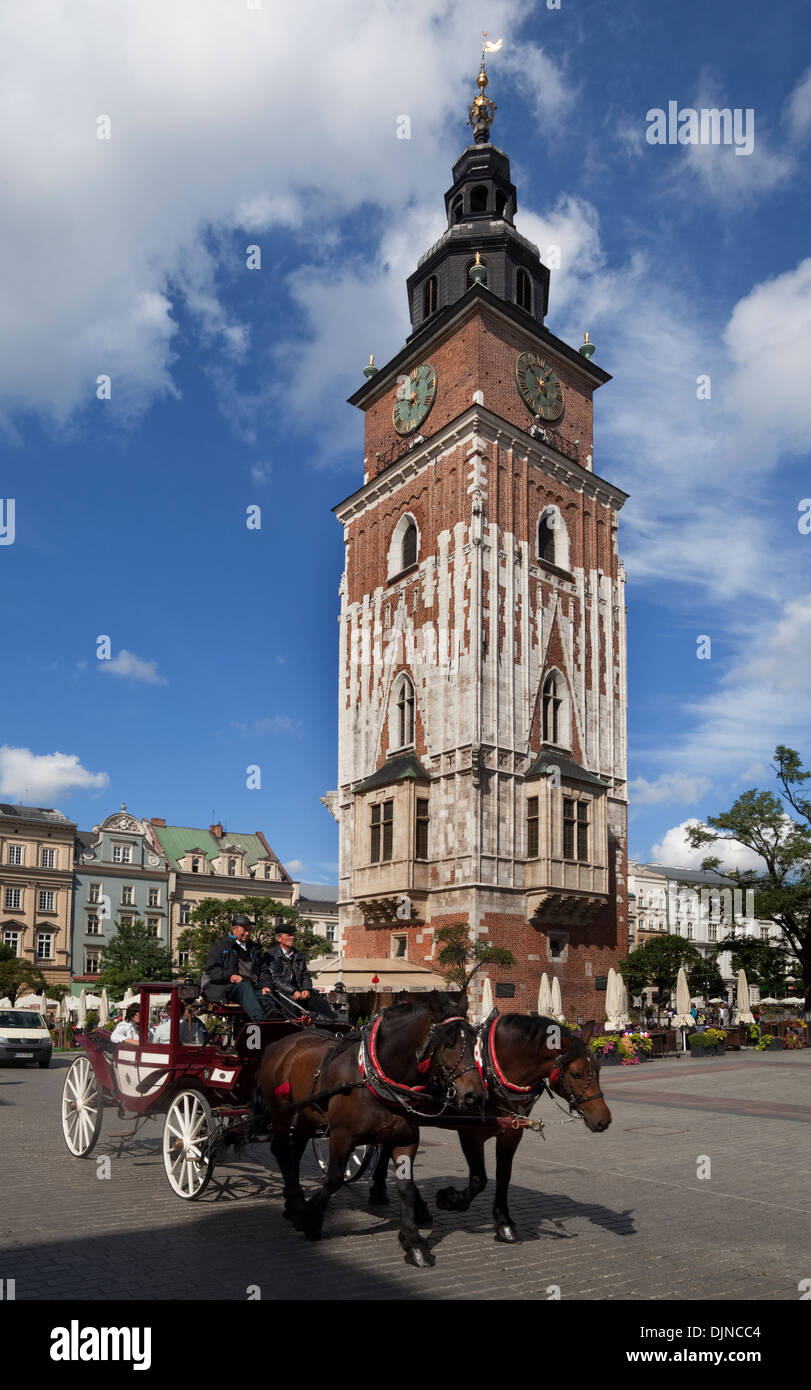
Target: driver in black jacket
x,y
236,972
287,966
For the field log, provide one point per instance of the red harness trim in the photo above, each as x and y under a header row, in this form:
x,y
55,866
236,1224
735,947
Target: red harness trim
x,y
373,1054
496,1068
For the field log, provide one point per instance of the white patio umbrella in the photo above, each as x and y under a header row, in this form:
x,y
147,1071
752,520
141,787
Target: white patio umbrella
x,y
82,1018
744,1013
557,1002
487,998
544,997
612,1019
5,1003
790,1000
104,1009
129,995
622,1001
684,1019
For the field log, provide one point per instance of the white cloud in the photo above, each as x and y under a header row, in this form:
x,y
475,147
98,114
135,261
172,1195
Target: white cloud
x,y
133,667
674,850
34,778
221,121
260,473
673,787
295,867
275,724
798,108
767,340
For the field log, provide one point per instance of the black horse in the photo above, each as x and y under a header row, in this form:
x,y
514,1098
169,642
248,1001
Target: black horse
x,y
521,1056
416,1059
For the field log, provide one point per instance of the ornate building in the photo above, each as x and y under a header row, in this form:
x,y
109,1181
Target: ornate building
x,y
482,709
36,887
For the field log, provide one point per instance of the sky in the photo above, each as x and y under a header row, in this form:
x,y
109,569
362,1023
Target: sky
x,y
231,124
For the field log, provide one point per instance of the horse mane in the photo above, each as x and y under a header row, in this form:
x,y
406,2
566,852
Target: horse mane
x,y
436,1004
535,1028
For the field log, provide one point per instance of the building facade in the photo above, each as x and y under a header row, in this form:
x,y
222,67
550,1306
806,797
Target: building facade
x,y
36,887
482,708
121,875
215,863
318,903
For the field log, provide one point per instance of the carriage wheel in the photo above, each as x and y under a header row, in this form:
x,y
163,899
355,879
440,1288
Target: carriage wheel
x,y
82,1107
356,1164
188,1145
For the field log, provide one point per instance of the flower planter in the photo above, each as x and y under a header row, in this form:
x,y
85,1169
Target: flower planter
x,y
610,1059
715,1051
773,1045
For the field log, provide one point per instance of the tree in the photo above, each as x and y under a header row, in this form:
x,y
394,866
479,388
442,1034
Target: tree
x,y
18,976
132,955
761,822
659,960
461,958
211,919
764,962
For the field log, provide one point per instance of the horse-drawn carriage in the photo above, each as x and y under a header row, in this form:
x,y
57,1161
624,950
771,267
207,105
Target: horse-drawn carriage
x,y
205,1092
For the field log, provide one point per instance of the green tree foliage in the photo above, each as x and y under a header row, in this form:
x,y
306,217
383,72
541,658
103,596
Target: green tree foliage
x,y
765,963
460,958
778,828
658,961
211,919
18,976
132,955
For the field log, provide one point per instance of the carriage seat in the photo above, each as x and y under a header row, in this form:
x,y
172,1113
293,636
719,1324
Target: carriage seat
x,y
222,1009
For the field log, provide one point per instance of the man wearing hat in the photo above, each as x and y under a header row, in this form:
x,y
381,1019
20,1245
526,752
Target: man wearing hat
x,y
235,972
287,966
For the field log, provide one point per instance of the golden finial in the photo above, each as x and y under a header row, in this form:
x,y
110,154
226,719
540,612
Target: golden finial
x,y
371,370
482,110
586,347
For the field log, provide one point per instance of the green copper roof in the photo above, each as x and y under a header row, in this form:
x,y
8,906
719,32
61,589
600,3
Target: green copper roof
x,y
570,771
177,840
406,768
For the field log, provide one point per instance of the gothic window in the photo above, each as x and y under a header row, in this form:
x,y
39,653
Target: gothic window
x,y
410,546
582,831
405,712
429,297
523,290
478,198
552,702
546,537
421,835
457,212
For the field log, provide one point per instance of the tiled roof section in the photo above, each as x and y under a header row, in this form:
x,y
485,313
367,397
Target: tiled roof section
x,y
405,768
319,892
708,876
34,813
570,771
177,840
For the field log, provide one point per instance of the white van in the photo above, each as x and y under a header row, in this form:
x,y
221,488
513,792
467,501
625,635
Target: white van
x,y
24,1037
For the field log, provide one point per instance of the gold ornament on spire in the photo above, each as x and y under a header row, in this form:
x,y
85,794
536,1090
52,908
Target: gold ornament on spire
x,y
482,110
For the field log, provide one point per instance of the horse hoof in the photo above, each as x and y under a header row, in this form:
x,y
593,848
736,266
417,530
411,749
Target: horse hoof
x,y
422,1215
378,1197
420,1257
508,1235
445,1199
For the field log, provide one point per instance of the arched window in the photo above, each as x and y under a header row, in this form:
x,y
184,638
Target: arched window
x,y
404,709
523,290
429,297
478,198
546,537
552,711
457,209
410,545
501,203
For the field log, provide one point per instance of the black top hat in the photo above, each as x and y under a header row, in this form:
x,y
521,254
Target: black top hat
x,y
240,920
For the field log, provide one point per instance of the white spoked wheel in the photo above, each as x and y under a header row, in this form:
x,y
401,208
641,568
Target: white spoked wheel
x,y
188,1145
82,1107
356,1164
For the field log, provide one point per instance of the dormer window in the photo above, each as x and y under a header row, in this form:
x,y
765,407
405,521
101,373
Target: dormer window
x,y
523,290
478,198
195,866
232,868
430,297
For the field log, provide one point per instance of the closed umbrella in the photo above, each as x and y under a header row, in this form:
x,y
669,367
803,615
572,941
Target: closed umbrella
x,y
82,1019
104,1009
487,998
557,1002
129,995
622,1001
544,997
744,1014
612,1019
684,1019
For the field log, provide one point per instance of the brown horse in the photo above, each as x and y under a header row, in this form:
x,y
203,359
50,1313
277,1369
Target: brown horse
x,y
521,1055
418,1059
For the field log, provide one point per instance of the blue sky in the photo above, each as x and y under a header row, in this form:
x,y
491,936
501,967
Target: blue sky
x,y
232,127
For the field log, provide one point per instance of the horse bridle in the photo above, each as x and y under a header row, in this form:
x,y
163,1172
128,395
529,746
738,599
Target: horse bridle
x,y
559,1075
448,1075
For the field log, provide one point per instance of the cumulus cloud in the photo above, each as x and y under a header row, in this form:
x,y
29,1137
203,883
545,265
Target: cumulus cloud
x,y
798,108
295,867
133,667
673,849
275,724
673,787
34,778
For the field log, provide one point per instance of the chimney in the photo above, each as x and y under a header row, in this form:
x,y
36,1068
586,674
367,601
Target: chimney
x,y
157,820
216,830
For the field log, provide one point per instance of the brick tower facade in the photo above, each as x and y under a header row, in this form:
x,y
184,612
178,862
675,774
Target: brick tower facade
x,y
482,705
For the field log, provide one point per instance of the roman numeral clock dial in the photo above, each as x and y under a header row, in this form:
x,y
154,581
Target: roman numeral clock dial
x,y
538,386
415,395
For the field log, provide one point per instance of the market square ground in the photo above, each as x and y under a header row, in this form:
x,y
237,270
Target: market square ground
x,y
620,1215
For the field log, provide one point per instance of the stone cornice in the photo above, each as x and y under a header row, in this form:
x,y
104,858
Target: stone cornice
x,y
478,421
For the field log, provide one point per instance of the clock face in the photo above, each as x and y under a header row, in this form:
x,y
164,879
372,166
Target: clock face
x,y
415,395
538,386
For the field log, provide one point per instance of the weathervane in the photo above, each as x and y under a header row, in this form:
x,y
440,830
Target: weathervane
x,y
482,110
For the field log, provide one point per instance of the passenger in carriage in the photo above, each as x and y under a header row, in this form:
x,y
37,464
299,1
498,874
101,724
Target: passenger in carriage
x,y
236,972
128,1029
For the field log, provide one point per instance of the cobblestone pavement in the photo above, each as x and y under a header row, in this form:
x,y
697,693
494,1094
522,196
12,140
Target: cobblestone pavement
x,y
619,1215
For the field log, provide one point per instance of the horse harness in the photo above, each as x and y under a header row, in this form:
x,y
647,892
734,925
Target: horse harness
x,y
508,1094
396,1093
